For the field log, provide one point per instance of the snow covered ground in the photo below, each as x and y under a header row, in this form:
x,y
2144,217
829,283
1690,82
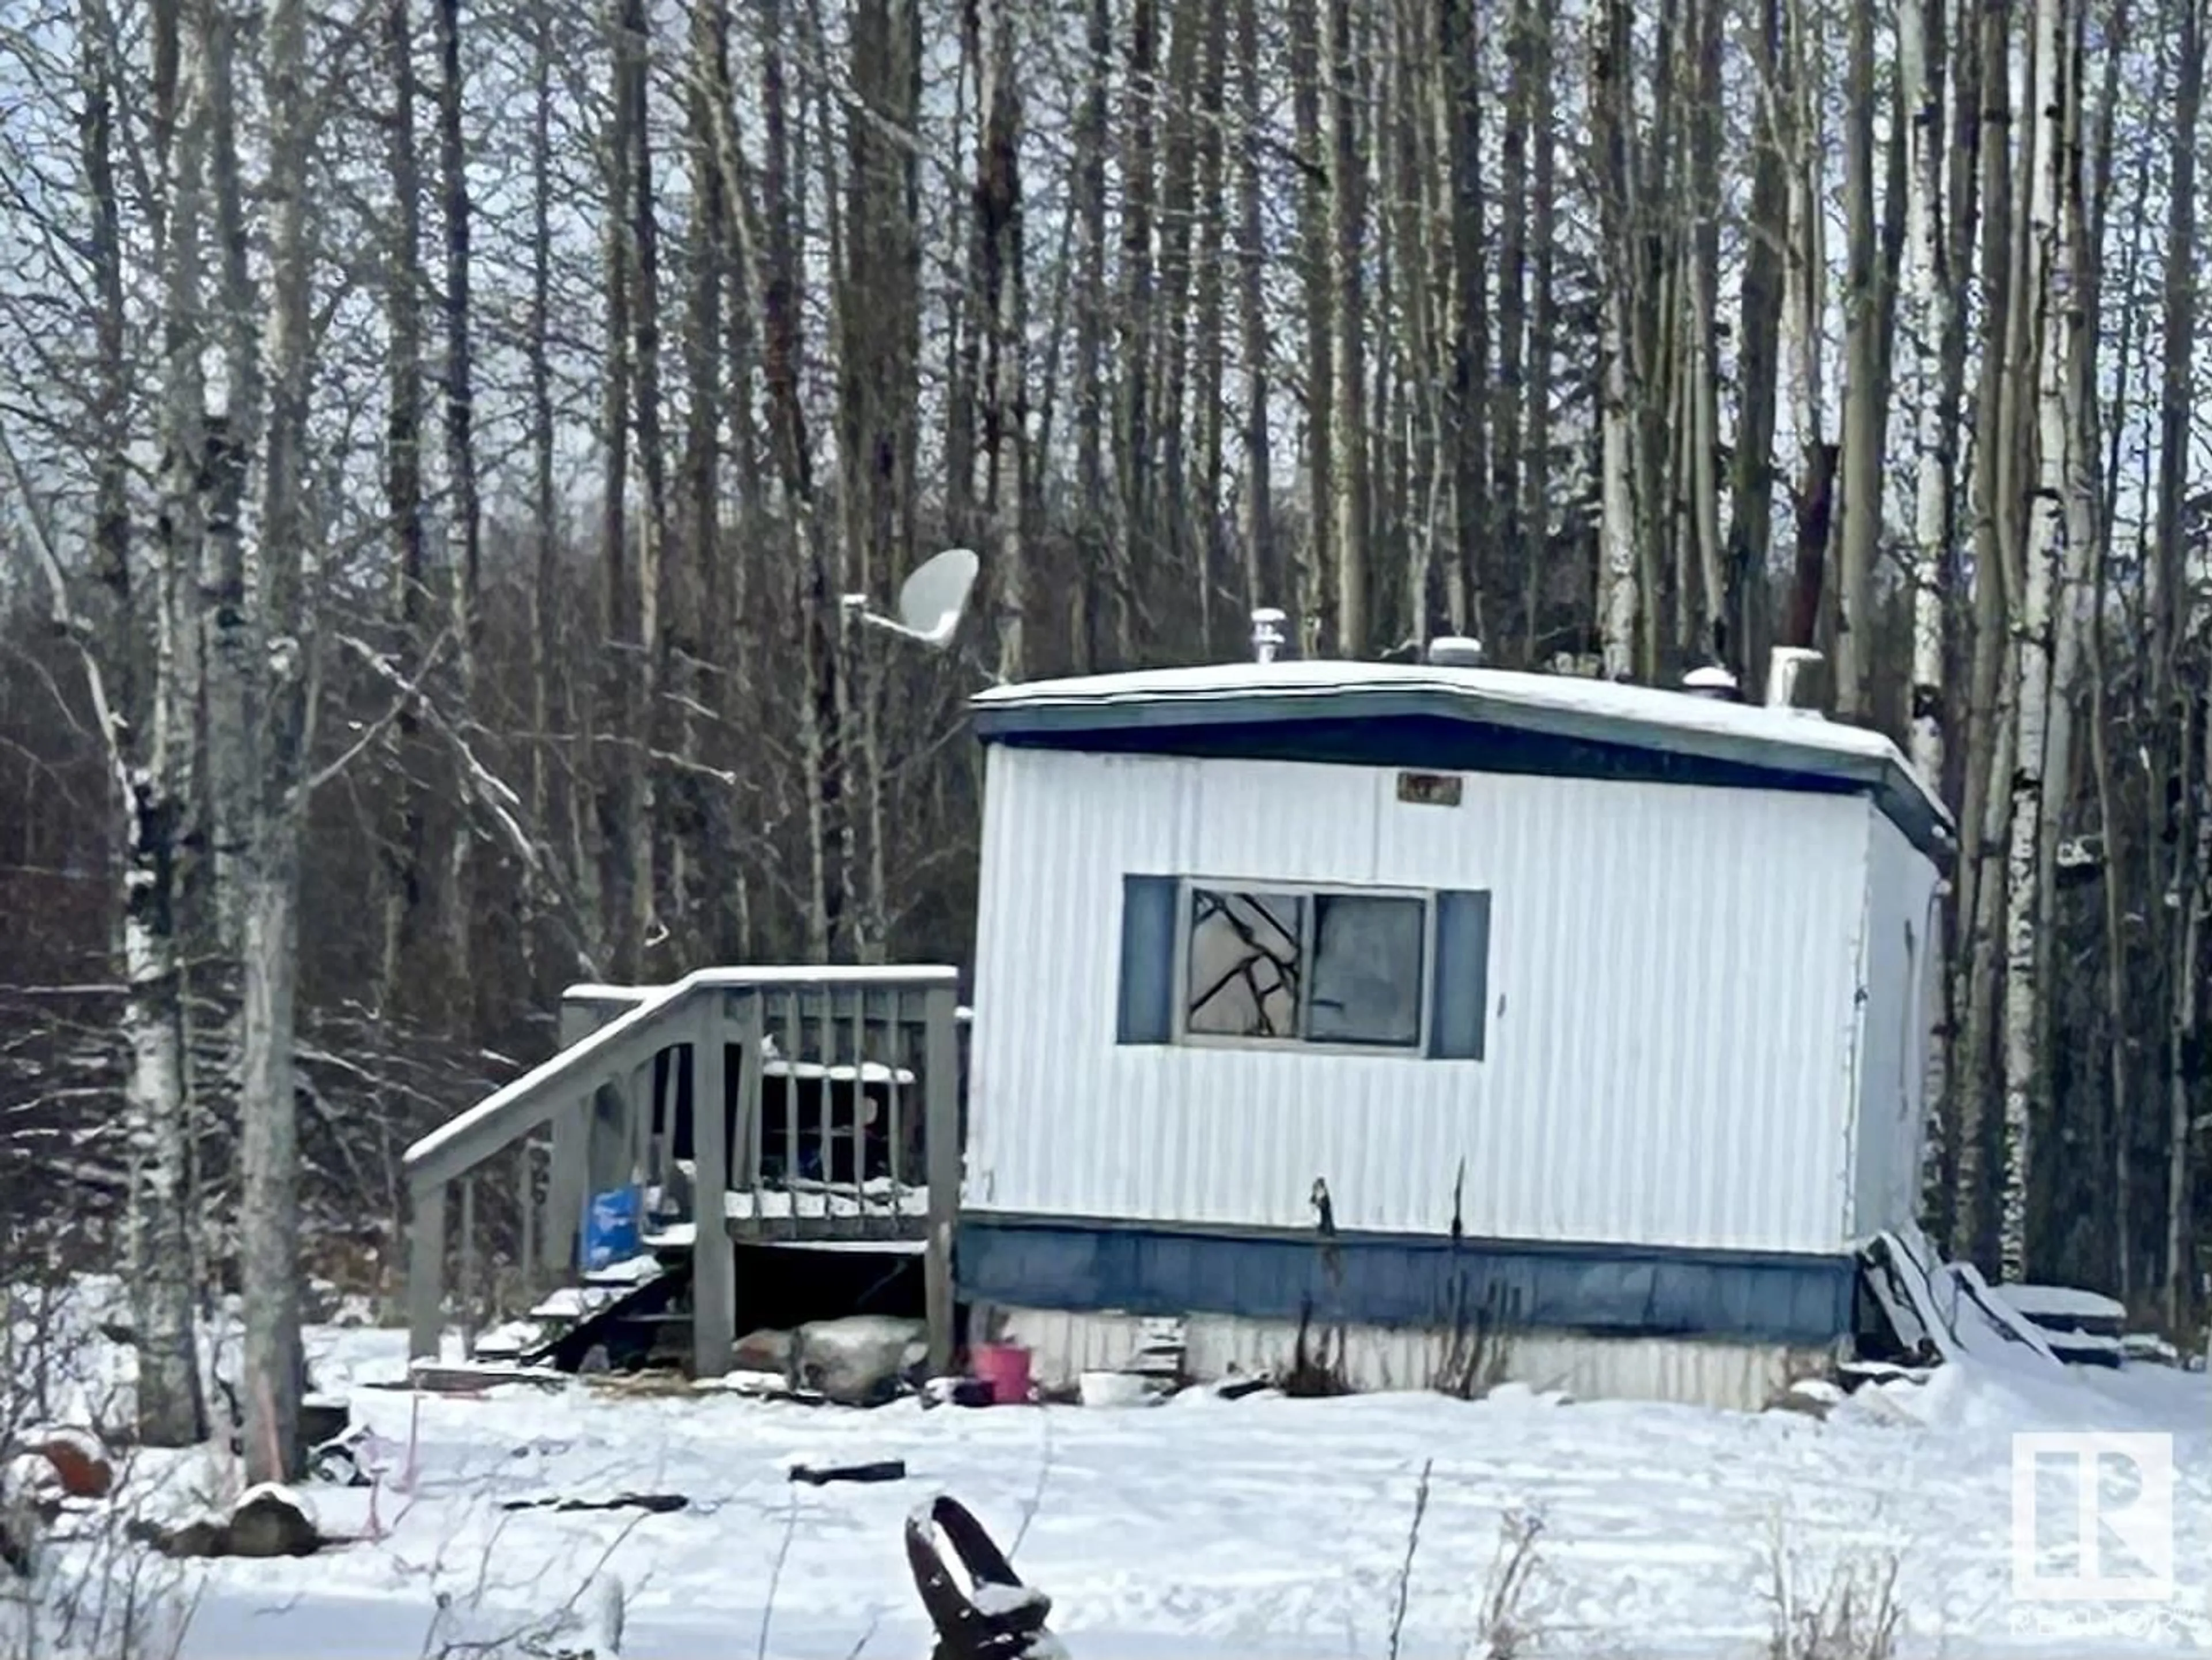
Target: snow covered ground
x,y
1203,1527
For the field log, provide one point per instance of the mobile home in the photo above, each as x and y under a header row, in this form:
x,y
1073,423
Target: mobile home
x,y
1357,1013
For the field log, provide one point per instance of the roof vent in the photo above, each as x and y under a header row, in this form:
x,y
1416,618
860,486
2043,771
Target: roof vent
x,y
1712,682
1267,634
1792,679
1455,651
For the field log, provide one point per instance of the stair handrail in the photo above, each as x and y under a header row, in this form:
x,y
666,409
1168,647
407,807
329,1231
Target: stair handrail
x,y
530,1102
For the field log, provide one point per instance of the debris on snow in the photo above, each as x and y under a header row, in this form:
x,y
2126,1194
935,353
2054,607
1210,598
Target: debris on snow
x,y
653,1504
882,1470
77,1457
267,1521
861,1360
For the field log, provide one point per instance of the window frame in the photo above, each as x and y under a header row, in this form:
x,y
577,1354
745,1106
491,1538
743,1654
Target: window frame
x,y
1179,1032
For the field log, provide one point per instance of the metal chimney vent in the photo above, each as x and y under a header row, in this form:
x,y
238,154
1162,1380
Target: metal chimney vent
x,y
1792,679
1267,634
1712,682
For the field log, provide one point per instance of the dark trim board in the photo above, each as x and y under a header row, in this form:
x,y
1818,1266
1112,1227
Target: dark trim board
x,y
1407,738
1404,1280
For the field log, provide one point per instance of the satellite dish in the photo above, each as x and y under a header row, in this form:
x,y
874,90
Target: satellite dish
x,y
931,601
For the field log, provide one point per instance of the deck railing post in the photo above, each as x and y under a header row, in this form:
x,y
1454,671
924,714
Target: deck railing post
x,y
563,1165
713,1264
471,1294
526,1256
747,1030
426,1269
940,1083
564,1185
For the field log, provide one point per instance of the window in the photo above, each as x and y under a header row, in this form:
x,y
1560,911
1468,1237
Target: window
x,y
1245,958
1212,962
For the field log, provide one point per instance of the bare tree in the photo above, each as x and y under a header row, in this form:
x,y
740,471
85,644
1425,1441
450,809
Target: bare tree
x,y
281,716
998,238
156,779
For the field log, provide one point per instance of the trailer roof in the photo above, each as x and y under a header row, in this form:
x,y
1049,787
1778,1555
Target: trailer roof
x,y
1407,713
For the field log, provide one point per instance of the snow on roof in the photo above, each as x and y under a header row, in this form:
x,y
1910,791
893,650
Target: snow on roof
x,y
1642,716
1649,706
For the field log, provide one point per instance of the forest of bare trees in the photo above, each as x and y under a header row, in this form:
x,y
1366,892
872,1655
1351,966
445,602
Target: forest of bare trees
x,y
434,440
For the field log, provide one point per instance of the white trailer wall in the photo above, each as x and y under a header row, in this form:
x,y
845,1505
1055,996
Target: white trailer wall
x,y
1673,980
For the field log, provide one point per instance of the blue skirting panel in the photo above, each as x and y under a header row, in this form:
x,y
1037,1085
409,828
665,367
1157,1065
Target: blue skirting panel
x,y
1404,1279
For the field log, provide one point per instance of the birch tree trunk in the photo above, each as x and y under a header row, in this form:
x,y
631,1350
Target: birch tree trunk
x,y
1861,527
155,782
1921,40
1100,628
225,657
1935,315
1701,350
1168,420
619,809
804,556
879,324
1347,212
1138,443
700,647
1751,517
1984,816
1456,221
463,526
2185,974
552,688
274,1369
647,926
1536,465
2050,287
1315,606
1518,548
1805,310
401,978
998,234
226,660
2168,648
1210,370
1264,578
1618,526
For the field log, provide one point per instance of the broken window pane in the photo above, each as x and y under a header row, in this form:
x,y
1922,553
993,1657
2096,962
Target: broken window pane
x,y
1366,968
1246,957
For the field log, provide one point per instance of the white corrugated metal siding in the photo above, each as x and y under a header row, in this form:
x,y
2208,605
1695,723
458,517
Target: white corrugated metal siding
x,y
1673,973
1901,966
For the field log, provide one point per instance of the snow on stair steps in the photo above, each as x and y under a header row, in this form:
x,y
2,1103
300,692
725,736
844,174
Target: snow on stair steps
x,y
506,1340
564,1308
574,1303
626,1275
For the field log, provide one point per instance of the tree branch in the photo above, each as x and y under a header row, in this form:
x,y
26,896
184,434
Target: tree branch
x,y
410,692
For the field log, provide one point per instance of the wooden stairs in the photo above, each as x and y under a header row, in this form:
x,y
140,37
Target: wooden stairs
x,y
840,1096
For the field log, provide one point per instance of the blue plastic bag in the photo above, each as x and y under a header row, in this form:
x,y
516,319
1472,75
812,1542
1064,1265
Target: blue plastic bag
x,y
610,1228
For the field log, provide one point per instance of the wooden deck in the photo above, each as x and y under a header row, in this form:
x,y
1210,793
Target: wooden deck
x,y
840,1125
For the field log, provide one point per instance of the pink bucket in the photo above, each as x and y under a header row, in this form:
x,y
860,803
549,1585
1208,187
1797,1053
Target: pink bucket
x,y
1005,1368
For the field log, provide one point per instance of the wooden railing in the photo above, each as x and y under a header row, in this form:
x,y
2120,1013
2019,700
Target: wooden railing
x,y
840,1096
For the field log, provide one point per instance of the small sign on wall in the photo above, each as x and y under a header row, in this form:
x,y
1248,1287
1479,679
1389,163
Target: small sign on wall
x,y
1429,789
